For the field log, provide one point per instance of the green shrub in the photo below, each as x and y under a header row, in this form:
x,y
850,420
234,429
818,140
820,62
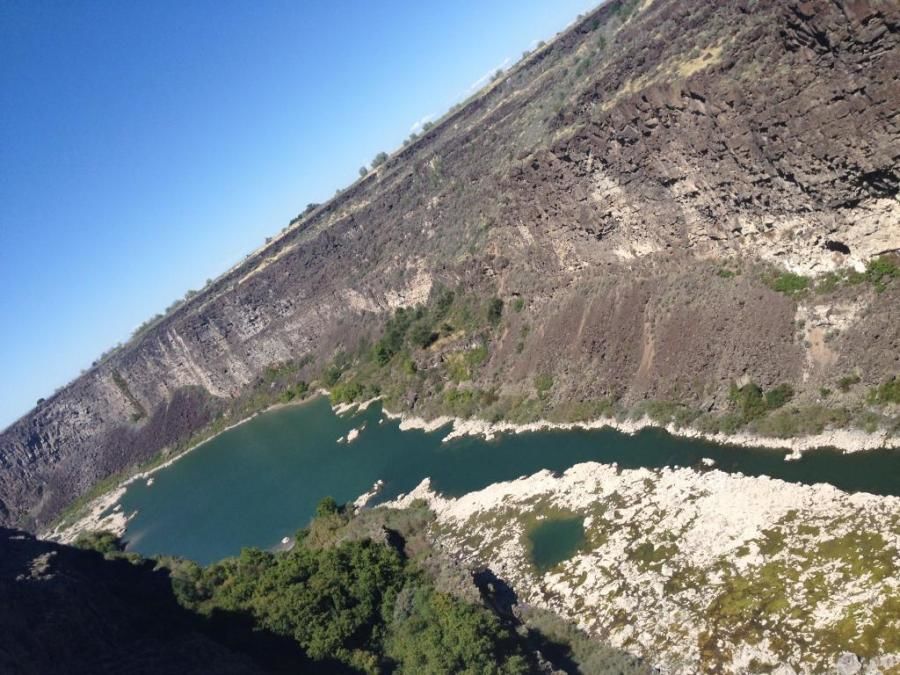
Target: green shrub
x,y
886,392
846,382
422,334
331,375
777,397
346,392
101,541
379,159
828,282
748,400
789,283
880,271
434,633
495,311
442,303
813,419
543,383
518,305
327,506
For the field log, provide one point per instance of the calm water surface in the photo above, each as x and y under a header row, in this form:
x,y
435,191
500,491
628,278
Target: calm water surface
x,y
555,540
260,481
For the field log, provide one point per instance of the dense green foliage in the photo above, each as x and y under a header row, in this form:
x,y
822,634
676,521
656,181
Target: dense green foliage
x,y
433,633
353,600
751,403
351,603
102,542
463,324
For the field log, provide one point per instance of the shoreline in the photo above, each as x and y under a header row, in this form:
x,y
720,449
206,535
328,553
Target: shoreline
x,y
117,522
847,441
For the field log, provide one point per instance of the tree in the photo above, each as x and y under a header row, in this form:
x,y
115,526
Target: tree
x,y
363,171
327,506
379,159
422,335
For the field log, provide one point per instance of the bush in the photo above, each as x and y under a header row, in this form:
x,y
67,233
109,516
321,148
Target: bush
x,y
379,159
777,397
748,400
880,271
331,375
363,171
435,633
495,311
518,305
543,383
789,283
346,392
103,542
847,381
327,506
887,392
422,335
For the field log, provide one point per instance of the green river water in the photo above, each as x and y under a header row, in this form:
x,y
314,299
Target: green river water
x,y
260,481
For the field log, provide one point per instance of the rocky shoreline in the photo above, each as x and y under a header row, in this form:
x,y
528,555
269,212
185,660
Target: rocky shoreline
x,y
845,440
697,571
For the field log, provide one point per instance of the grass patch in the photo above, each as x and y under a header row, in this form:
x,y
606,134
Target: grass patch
x,y
788,283
886,392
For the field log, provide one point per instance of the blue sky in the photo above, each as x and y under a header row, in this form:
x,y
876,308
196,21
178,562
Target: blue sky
x,y
145,147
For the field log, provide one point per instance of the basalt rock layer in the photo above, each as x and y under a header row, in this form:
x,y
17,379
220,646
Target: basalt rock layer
x,y
607,179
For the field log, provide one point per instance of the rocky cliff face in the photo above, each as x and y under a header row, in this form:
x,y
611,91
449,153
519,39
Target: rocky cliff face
x,y
617,178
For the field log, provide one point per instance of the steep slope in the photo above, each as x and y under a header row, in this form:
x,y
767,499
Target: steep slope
x,y
641,184
67,610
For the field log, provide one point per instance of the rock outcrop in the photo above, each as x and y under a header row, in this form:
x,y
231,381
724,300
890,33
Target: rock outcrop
x,y
696,571
606,179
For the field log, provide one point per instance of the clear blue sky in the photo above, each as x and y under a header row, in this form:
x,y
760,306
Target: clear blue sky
x,y
145,147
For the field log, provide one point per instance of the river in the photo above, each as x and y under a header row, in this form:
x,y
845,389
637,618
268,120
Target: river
x,y
261,481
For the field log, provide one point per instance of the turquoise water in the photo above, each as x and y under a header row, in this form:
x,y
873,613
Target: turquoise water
x,y
260,481
555,540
